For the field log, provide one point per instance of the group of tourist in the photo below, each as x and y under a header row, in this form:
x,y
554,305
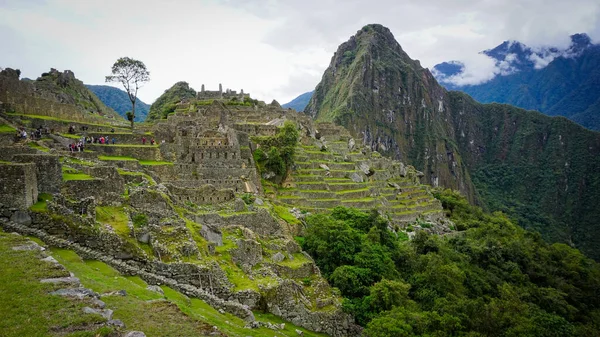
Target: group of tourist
x,y
76,147
152,141
100,140
36,134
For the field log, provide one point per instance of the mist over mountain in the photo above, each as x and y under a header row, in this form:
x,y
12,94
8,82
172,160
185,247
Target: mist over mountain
x,y
118,100
540,170
557,82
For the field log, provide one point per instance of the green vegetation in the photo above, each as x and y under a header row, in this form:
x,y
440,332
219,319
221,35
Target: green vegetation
x,y
276,153
69,173
26,307
116,217
491,279
154,162
35,145
167,102
116,158
284,213
40,205
4,128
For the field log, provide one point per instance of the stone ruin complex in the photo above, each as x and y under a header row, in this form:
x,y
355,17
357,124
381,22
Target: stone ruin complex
x,y
228,94
181,201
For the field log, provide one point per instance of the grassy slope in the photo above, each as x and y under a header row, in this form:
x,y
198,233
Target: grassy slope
x,y
26,307
170,315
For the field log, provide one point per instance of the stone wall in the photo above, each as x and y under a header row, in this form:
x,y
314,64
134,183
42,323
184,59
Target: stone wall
x,y
18,185
48,170
138,152
7,152
260,222
106,191
207,194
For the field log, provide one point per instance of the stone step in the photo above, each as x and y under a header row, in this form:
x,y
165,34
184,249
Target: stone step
x,y
350,185
308,178
312,186
354,194
361,203
311,194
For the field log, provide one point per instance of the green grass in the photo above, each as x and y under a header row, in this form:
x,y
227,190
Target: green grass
x,y
116,217
173,314
154,162
285,214
37,146
26,307
40,205
68,135
5,128
76,176
116,158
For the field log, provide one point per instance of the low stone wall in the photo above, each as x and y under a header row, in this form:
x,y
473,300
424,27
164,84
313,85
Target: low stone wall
x,y
260,222
18,185
104,190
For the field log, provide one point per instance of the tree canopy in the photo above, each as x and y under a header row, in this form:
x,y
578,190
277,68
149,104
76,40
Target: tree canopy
x,y
491,278
132,74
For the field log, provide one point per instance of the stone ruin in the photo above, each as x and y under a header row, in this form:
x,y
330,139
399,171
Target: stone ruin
x,y
228,94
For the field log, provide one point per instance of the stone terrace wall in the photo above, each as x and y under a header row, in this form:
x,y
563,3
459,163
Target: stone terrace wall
x,y
18,185
48,170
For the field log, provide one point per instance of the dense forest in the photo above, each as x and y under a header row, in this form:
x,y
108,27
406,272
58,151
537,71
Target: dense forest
x,y
490,278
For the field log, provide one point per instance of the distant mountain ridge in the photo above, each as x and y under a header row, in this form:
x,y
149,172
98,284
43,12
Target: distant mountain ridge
x,y
557,82
300,102
118,100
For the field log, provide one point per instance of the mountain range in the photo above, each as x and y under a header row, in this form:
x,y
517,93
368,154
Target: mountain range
x,y
540,170
558,82
118,100
300,102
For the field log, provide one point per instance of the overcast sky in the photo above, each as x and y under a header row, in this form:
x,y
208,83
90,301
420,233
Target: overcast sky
x,y
274,49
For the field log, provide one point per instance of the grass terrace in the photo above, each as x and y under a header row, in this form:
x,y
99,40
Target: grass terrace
x,y
5,128
73,174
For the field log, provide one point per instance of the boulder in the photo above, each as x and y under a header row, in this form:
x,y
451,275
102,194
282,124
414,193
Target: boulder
x,y
106,313
366,169
212,234
21,218
278,257
357,178
239,205
155,289
324,167
135,334
79,293
351,144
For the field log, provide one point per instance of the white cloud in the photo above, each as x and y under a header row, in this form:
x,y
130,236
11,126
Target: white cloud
x,y
270,48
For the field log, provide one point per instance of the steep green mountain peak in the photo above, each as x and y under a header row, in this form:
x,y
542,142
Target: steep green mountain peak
x,y
166,103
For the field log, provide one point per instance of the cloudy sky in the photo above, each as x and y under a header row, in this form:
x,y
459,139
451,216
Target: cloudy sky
x,y
274,49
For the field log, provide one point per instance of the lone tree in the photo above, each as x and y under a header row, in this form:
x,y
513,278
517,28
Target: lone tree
x,y
132,74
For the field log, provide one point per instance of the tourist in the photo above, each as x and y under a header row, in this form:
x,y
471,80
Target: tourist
x,y
152,141
143,140
113,140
